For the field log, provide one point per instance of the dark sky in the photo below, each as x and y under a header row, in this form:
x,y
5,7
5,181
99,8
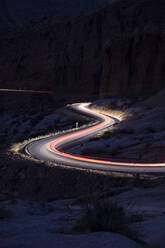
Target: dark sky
x,y
16,12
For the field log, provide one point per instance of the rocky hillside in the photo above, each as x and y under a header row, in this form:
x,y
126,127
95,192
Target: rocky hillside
x,y
116,50
17,12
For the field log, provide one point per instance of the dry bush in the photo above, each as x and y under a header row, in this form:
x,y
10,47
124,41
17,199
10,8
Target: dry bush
x,y
107,216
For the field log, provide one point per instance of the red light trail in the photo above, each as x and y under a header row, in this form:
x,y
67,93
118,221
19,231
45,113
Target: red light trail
x,y
27,91
52,146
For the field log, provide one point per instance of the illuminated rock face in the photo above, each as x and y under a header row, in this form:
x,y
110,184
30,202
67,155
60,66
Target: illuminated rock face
x,y
116,50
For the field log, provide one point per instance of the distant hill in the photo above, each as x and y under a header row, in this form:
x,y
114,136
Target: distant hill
x,y
18,12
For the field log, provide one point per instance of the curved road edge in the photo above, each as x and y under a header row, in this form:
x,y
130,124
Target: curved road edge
x,y
51,149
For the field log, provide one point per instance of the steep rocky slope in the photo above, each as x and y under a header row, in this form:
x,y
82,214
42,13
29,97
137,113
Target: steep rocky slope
x,y
116,50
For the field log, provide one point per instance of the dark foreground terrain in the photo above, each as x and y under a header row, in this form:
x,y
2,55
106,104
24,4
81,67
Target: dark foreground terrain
x,y
53,200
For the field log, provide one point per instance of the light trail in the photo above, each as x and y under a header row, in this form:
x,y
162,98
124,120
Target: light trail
x,y
53,145
51,148
27,91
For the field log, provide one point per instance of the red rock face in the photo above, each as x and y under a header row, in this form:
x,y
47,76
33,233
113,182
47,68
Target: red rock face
x,y
117,50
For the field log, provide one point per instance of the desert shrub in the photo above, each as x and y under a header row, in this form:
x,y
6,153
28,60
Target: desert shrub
x,y
29,212
111,133
15,131
50,209
107,216
126,106
26,131
34,121
108,135
25,118
84,200
50,128
95,139
150,130
15,115
113,105
13,122
143,182
13,201
5,213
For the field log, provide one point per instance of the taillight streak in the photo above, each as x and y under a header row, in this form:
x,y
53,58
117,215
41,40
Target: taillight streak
x,y
52,146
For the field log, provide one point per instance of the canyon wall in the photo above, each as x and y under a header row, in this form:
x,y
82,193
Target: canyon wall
x,y
118,50
134,65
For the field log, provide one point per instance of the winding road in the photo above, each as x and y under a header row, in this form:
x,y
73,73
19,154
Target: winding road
x,y
52,148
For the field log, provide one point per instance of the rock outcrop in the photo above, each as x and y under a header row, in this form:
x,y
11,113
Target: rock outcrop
x,y
118,50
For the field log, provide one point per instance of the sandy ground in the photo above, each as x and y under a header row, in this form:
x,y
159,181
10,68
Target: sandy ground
x,y
150,203
35,225
48,225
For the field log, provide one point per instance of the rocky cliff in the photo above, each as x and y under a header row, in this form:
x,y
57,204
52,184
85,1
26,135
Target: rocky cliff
x,y
116,50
